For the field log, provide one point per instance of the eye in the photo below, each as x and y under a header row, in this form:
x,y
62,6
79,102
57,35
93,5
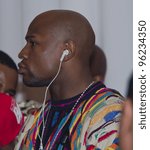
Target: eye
x,y
33,43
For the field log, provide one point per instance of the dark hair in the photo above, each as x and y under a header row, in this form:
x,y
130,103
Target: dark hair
x,y
5,59
130,88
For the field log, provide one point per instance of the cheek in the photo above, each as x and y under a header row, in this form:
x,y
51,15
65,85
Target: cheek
x,y
41,68
37,68
44,65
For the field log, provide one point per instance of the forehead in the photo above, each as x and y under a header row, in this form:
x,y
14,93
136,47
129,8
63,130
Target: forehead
x,y
3,67
37,29
40,30
48,25
7,70
41,23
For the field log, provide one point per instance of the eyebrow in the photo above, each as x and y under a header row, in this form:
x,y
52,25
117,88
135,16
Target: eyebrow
x,y
29,37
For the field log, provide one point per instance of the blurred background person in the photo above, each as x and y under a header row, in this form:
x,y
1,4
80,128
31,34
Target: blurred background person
x,y
11,118
8,74
98,64
126,126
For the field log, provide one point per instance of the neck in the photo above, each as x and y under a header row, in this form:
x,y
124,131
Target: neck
x,y
69,87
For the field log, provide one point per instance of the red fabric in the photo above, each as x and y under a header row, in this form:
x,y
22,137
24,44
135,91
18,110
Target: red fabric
x,y
107,135
91,147
11,119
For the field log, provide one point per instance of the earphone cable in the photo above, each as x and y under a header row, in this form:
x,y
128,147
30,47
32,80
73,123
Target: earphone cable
x,y
43,105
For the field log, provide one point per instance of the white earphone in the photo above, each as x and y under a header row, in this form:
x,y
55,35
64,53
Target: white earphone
x,y
65,53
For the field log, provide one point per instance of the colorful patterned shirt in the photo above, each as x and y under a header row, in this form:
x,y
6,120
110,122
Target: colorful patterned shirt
x,y
93,125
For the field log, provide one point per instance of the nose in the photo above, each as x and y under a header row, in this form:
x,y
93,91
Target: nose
x,y
23,53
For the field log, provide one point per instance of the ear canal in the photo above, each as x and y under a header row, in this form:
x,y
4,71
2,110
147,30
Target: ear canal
x,y
65,53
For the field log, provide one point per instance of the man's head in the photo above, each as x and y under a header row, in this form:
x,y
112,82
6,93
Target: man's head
x,y
8,74
49,34
98,64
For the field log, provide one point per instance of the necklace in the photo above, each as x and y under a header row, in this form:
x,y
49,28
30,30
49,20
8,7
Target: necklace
x,y
41,147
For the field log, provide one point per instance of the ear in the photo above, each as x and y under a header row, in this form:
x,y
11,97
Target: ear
x,y
2,86
2,82
70,46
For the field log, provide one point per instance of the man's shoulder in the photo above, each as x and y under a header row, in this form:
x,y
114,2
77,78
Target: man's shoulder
x,y
104,100
100,116
106,95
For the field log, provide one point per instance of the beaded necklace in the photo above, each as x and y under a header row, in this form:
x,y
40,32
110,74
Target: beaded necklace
x,y
48,145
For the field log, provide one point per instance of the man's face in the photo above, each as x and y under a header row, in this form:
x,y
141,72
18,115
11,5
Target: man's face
x,y
40,56
8,80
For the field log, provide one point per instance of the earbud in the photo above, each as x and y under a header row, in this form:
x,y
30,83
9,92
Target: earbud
x,y
65,53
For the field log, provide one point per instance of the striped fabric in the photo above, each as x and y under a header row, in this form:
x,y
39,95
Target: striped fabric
x,y
93,125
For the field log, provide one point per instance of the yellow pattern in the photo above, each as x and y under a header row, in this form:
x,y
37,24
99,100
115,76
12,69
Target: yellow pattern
x,y
100,115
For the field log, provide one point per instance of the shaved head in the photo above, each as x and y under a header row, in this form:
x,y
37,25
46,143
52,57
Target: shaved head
x,y
66,26
48,35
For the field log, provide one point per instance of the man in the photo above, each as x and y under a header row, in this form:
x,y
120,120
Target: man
x,y
81,114
8,74
98,64
98,67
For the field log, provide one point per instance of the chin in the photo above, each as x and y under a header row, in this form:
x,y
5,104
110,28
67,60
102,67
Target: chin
x,y
35,83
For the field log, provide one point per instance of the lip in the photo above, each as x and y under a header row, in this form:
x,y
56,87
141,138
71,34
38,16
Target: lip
x,y
22,68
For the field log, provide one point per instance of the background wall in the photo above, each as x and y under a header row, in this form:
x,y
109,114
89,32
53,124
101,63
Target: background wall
x,y
110,19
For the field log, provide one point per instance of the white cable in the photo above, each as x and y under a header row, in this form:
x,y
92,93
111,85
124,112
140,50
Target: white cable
x,y
44,101
45,95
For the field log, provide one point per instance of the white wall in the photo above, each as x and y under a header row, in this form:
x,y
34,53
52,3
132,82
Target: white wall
x,y
117,41
110,19
11,27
